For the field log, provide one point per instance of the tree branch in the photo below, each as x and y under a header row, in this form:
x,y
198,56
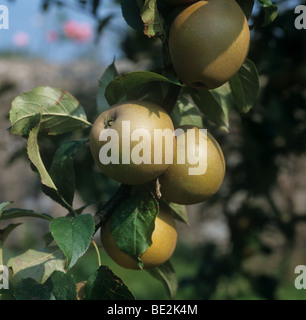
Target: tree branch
x,y
106,210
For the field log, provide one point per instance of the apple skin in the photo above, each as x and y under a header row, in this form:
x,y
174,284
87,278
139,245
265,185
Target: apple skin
x,y
164,240
208,43
176,185
142,115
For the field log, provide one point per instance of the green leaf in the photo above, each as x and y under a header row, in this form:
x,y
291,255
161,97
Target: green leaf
x,y
34,156
131,10
109,74
29,289
48,185
153,22
62,169
73,235
133,222
56,110
216,104
6,295
48,238
104,285
247,7
185,113
151,91
14,213
4,205
270,11
166,274
240,92
245,86
37,265
177,210
62,286
123,84
4,233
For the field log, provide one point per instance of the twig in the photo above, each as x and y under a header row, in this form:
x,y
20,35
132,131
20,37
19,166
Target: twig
x,y
105,212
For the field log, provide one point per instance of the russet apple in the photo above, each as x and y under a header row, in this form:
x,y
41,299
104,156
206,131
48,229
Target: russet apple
x,y
208,43
124,145
179,184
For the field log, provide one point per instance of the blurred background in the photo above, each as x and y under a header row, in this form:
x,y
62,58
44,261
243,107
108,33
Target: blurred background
x,y
245,242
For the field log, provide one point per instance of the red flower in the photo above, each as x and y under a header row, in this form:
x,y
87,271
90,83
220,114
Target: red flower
x,y
80,32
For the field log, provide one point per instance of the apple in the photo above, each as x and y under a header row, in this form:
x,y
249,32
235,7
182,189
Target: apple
x,y
179,184
124,145
208,43
164,239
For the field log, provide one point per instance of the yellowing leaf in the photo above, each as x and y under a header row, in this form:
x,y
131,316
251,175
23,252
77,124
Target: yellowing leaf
x,y
153,22
37,265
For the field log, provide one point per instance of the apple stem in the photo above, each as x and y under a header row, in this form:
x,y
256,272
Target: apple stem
x,y
98,253
157,190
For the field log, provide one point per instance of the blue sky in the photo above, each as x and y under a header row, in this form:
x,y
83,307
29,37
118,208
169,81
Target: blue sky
x,y
27,16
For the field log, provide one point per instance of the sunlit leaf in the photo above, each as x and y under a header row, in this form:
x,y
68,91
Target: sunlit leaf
x,y
153,22
73,235
270,11
56,110
36,264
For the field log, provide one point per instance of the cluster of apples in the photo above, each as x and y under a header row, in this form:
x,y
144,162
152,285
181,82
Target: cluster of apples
x,y
208,43
176,183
